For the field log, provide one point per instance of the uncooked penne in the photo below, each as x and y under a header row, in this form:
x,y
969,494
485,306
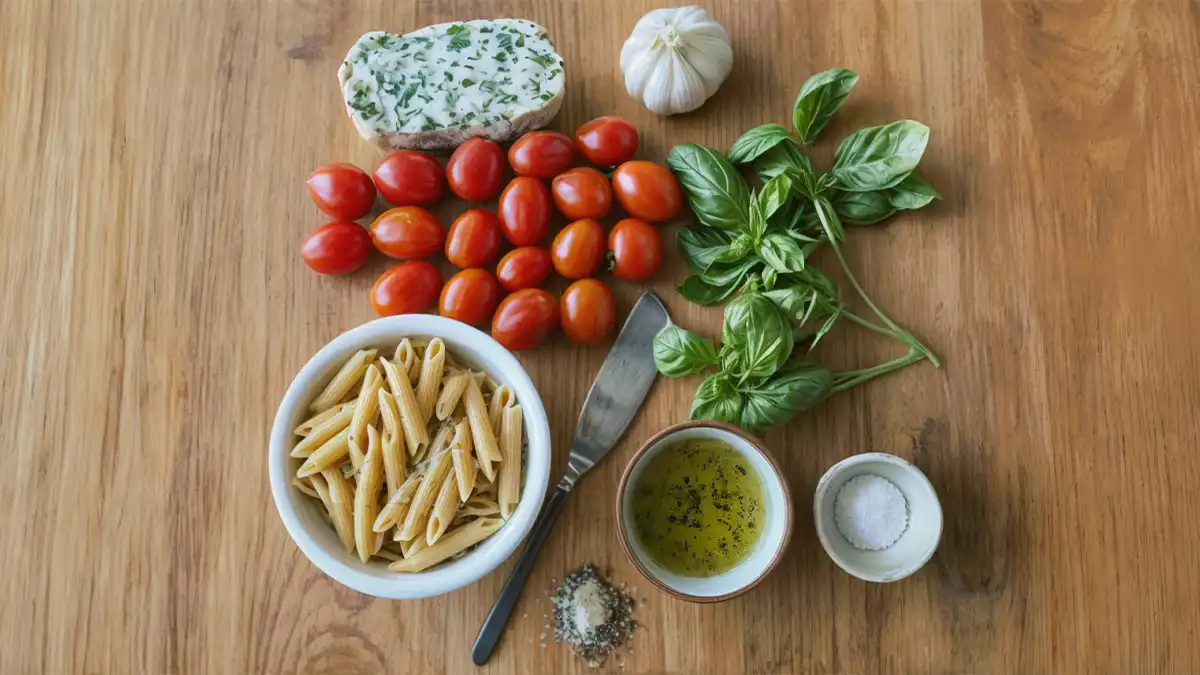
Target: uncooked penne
x,y
392,438
344,381
481,430
501,398
464,463
509,482
415,432
341,505
307,426
454,541
453,387
305,486
365,412
366,496
330,454
443,510
430,378
325,431
431,482
396,508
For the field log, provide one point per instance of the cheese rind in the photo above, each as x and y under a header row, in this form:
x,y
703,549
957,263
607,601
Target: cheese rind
x,y
440,85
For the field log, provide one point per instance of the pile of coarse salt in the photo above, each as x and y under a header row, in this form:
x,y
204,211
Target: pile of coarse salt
x,y
593,617
870,512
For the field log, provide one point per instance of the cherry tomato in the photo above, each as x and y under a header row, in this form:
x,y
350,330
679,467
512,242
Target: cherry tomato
x,y
607,141
476,169
474,239
470,297
582,192
341,190
407,288
541,154
647,191
339,247
524,211
524,319
525,267
410,178
407,232
578,249
589,312
635,250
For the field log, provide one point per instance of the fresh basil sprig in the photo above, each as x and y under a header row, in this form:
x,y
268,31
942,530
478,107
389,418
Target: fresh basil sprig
x,y
716,191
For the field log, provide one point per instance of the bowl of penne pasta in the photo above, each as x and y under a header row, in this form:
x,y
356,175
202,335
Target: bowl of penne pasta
x,y
410,456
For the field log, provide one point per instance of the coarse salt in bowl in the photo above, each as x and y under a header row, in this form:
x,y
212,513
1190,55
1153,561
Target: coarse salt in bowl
x,y
318,540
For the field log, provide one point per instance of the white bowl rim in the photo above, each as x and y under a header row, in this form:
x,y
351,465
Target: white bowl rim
x,y
448,576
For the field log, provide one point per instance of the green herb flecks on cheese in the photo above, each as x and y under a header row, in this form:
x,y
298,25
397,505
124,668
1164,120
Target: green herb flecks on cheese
x,y
450,76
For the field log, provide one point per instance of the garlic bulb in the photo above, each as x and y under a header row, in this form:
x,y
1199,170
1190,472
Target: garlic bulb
x,y
675,59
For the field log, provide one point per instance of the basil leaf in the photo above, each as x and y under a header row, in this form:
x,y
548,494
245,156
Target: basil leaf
x,y
757,335
828,221
679,352
701,246
776,400
819,98
716,191
830,320
697,290
781,253
775,195
756,225
741,246
757,141
783,158
863,208
717,399
878,158
911,193
769,277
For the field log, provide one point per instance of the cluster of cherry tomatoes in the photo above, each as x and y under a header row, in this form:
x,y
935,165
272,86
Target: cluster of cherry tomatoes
x,y
412,180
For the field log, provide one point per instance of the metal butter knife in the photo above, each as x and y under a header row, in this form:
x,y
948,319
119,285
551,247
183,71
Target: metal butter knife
x,y
615,396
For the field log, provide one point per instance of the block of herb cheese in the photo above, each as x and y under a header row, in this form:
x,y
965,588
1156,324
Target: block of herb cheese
x,y
438,86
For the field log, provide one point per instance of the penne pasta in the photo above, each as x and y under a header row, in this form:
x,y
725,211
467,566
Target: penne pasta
x,y
501,398
320,435
307,426
430,378
443,510
366,497
479,376
509,482
410,548
407,356
394,467
489,384
486,488
453,542
341,505
388,554
441,441
415,432
465,467
478,506
452,391
304,486
328,455
394,510
365,412
344,381
431,482
481,430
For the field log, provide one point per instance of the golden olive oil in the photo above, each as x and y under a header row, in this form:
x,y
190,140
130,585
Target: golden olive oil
x,y
698,507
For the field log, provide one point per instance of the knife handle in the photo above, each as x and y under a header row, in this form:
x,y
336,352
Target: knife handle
x,y
494,624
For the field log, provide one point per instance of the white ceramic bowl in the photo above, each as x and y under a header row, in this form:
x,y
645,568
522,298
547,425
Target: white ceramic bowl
x,y
767,551
914,548
317,539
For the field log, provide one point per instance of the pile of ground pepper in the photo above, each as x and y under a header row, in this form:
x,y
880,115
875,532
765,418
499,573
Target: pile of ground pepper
x,y
592,616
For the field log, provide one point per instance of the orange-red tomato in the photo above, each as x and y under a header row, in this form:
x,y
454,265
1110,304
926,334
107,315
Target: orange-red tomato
x,y
647,191
407,288
578,249
407,232
525,267
410,178
342,190
470,297
582,192
339,247
607,141
474,239
476,169
589,312
524,319
635,250
541,154
524,211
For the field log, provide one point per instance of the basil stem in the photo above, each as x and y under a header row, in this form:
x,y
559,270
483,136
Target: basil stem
x,y
852,378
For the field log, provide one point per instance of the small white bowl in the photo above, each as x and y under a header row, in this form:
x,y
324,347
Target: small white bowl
x,y
767,551
914,548
317,539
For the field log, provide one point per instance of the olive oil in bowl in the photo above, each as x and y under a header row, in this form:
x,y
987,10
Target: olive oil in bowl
x,y
698,507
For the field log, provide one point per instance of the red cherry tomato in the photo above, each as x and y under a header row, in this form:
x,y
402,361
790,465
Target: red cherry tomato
x,y
474,239
647,191
525,267
470,297
582,192
410,178
578,249
589,312
524,319
339,247
541,154
607,141
524,211
407,288
476,169
407,232
342,190
635,250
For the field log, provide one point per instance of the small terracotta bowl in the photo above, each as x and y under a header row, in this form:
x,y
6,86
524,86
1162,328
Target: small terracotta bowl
x,y
767,551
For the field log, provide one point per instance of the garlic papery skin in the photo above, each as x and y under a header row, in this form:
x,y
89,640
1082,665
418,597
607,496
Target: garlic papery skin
x,y
676,59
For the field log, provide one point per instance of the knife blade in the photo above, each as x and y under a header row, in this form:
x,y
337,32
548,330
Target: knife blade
x,y
620,387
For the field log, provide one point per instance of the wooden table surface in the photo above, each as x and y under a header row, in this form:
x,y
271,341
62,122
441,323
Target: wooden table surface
x,y
155,309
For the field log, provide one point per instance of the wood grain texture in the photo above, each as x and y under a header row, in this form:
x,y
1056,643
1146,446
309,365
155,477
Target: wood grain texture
x,y
155,310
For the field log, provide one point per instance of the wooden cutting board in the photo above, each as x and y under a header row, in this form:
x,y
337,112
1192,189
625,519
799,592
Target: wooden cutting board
x,y
155,309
